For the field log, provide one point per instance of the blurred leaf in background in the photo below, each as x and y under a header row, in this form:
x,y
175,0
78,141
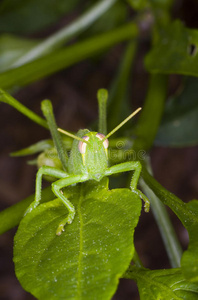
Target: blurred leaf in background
x,y
143,4
110,19
180,121
12,48
175,51
29,16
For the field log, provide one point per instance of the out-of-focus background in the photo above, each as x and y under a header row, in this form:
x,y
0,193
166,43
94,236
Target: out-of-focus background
x,y
73,94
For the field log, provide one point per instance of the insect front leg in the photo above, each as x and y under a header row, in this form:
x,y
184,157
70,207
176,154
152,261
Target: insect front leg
x,y
44,170
56,188
131,166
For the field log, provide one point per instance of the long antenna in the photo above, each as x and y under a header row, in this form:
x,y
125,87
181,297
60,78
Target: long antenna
x,y
122,123
72,135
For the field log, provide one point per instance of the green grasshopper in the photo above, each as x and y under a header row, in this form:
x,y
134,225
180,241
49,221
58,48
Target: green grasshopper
x,y
88,160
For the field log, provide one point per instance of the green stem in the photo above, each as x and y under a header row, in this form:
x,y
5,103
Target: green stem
x,y
137,260
47,109
6,98
11,216
179,207
165,226
151,113
146,130
63,58
59,38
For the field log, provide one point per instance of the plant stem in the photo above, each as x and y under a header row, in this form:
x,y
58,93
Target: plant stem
x,y
59,38
11,216
146,130
6,98
180,208
163,221
137,260
151,113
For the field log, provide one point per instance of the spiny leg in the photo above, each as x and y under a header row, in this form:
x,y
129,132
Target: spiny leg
x,y
56,188
134,182
131,166
44,170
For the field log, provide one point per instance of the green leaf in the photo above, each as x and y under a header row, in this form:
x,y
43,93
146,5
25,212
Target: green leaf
x,y
175,51
189,261
162,284
139,4
42,146
87,260
35,148
28,16
161,3
12,48
179,123
143,4
61,59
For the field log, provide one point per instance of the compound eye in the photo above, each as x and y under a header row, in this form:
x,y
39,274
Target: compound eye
x,y
82,146
101,137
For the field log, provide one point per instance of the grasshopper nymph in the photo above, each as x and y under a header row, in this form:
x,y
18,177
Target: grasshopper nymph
x,y
88,160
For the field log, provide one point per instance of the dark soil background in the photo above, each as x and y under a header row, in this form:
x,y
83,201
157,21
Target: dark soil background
x,y
73,94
